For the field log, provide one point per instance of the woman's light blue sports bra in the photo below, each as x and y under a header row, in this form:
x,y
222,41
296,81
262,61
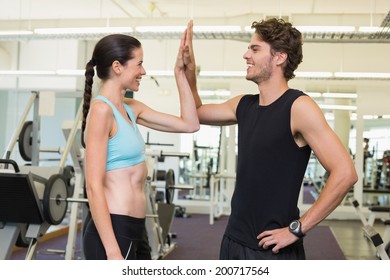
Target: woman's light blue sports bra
x,y
127,147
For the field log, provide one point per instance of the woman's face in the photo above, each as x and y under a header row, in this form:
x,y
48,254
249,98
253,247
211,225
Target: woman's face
x,y
133,71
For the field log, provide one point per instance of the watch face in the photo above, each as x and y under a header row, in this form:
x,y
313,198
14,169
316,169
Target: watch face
x,y
294,225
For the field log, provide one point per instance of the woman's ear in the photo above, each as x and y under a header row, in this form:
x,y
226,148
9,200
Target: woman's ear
x,y
116,67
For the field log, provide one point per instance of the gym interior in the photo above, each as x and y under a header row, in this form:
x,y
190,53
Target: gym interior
x,y
44,46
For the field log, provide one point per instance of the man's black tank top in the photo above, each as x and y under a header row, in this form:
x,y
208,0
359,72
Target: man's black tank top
x,y
270,169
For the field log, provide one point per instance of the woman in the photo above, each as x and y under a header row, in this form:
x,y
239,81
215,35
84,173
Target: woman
x,y
115,166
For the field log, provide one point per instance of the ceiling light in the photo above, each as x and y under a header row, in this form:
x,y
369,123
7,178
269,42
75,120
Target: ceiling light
x,y
317,28
370,117
17,73
320,28
370,29
337,107
222,92
314,94
215,74
206,92
160,29
367,75
219,28
248,29
15,32
313,74
175,29
83,30
222,73
160,73
339,95
70,72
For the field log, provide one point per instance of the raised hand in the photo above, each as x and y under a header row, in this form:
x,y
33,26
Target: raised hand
x,y
189,57
180,64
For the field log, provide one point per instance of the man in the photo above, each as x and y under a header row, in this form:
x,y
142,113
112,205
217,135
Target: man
x,y
277,131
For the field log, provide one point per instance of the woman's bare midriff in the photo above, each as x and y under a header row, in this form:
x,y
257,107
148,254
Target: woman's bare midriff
x,y
124,190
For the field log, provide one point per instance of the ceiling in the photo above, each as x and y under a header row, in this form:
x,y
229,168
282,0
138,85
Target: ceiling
x,y
31,14
198,9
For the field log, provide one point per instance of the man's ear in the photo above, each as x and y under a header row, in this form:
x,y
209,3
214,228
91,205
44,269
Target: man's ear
x,y
116,67
281,57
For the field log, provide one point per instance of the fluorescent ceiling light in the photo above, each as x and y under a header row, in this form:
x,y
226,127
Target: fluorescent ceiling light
x,y
218,28
376,117
370,29
313,74
160,73
83,30
320,28
175,29
214,96
222,92
26,73
70,72
218,92
214,74
339,95
332,95
362,75
337,107
370,117
160,29
222,73
15,32
314,94
206,92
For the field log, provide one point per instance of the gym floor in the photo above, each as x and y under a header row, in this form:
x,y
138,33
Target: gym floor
x,y
349,235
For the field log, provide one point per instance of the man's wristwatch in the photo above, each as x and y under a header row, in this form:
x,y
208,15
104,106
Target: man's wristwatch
x,y
295,228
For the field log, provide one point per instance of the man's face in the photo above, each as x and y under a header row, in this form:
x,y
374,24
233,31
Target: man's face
x,y
259,59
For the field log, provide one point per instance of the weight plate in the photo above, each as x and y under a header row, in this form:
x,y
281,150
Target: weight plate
x,y
25,141
169,186
54,203
161,175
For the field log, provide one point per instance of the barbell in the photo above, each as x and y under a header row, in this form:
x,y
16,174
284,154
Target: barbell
x,y
55,197
25,141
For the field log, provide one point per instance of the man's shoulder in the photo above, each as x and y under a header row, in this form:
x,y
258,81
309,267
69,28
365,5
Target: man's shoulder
x,y
295,91
248,98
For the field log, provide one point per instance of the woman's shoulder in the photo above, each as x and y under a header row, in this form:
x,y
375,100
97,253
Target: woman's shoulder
x,y
100,108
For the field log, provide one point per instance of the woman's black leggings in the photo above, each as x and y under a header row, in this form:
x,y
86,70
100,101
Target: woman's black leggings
x,y
130,233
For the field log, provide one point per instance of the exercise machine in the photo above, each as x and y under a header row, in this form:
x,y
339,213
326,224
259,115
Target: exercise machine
x,y
160,206
29,205
40,187
382,245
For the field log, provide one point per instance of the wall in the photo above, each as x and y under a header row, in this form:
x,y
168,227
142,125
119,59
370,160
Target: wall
x,y
161,54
